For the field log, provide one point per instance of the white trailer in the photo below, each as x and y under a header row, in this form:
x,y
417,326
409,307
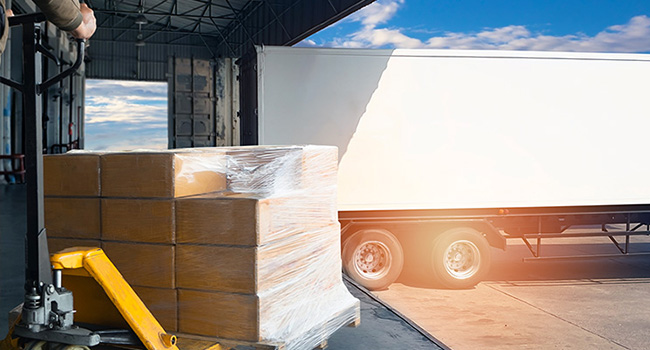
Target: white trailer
x,y
443,153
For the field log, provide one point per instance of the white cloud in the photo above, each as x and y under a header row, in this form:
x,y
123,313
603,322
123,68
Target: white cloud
x,y
377,13
129,102
125,115
371,37
633,36
306,43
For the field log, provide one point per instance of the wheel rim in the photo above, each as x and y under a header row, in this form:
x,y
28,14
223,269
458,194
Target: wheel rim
x,y
372,260
462,259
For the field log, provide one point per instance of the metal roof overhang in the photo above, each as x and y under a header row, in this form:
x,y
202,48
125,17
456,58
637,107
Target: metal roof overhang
x,y
198,28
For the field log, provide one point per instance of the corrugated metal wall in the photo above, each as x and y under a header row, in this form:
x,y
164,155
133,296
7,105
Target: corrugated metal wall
x,y
125,61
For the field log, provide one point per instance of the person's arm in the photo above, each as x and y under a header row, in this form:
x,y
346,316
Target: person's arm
x,y
69,16
88,24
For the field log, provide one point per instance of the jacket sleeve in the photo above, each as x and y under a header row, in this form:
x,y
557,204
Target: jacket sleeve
x,y
64,14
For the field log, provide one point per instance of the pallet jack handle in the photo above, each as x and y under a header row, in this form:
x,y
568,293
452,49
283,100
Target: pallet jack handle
x,y
81,48
38,271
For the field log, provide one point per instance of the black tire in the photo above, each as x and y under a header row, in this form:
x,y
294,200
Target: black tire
x,y
373,258
460,258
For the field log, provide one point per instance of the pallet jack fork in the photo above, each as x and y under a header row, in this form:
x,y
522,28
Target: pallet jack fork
x,y
46,319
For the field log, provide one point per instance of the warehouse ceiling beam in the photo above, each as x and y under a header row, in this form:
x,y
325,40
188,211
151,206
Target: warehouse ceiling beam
x,y
97,56
228,45
209,18
168,15
215,28
156,5
239,20
198,22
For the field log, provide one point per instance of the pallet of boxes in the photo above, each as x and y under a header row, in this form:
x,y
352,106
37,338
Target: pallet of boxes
x,y
239,245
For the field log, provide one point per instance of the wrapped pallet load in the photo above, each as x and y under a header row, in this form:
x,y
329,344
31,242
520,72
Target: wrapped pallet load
x,y
71,185
244,240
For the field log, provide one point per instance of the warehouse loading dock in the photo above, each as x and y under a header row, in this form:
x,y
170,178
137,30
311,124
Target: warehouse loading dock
x,y
47,312
381,326
601,301
184,132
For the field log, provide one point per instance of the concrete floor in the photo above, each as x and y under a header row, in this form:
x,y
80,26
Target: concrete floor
x,y
380,328
583,304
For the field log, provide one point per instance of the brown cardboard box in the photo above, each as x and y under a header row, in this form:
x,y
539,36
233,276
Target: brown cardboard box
x,y
138,220
229,269
57,244
72,217
288,312
162,174
93,306
163,305
225,315
217,219
91,303
258,269
145,265
244,219
71,174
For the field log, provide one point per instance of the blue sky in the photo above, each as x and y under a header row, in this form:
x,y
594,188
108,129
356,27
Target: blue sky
x,y
570,25
129,115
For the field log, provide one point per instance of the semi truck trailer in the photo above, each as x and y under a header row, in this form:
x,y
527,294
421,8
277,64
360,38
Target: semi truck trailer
x,y
446,153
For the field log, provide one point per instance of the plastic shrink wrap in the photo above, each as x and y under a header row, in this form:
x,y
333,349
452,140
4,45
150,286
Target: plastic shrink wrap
x,y
237,243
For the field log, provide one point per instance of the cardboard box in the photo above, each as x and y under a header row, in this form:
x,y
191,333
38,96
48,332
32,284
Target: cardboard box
x,y
259,269
144,265
57,244
163,305
164,174
216,268
93,306
91,303
225,315
284,315
319,169
138,220
72,217
71,174
249,220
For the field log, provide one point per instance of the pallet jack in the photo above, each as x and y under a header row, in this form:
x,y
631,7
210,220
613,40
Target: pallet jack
x,y
46,321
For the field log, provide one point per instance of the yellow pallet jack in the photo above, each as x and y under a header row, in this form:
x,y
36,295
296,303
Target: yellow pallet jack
x,y
46,319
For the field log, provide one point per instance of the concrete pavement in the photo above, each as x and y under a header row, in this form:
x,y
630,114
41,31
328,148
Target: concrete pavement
x,y
583,304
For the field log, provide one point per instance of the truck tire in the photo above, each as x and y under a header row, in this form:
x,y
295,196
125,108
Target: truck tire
x,y
373,258
460,258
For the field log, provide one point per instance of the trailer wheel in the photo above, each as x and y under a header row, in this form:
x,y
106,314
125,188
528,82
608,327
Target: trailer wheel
x,y
460,258
373,258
